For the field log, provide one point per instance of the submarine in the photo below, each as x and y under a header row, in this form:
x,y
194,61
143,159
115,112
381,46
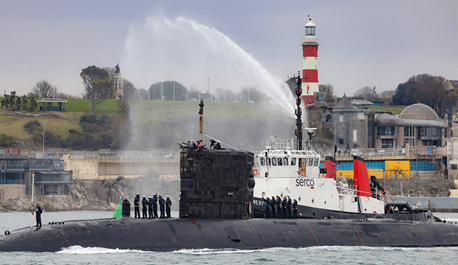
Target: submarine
x,y
220,207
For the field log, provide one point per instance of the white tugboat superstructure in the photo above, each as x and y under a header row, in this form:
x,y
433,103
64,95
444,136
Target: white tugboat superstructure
x,y
296,173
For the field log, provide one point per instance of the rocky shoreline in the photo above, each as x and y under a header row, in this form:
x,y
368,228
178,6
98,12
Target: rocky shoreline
x,y
98,195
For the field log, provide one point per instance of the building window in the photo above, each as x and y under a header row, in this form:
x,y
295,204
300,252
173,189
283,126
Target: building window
x,y
408,131
341,118
428,142
429,132
341,141
387,143
386,130
409,141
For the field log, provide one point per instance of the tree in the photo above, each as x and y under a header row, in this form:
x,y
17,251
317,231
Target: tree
x,y
171,90
24,102
224,95
97,85
142,93
366,92
130,97
252,94
387,94
398,98
426,89
33,104
43,89
328,90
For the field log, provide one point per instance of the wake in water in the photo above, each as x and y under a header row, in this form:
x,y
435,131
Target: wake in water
x,y
190,53
94,250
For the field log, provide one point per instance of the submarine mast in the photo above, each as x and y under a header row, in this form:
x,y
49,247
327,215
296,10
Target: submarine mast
x,y
201,120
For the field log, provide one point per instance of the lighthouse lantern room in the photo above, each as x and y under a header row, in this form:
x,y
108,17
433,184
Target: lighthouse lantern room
x,y
309,64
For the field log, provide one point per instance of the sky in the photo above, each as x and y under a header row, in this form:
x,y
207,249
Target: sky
x,y
223,44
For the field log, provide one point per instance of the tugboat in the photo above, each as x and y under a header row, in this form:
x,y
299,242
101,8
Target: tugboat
x,y
290,168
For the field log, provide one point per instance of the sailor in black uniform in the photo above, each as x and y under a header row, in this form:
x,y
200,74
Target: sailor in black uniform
x,y
38,212
279,216
150,207
155,205
168,204
283,208
144,206
273,206
267,211
218,145
161,206
137,205
294,209
288,208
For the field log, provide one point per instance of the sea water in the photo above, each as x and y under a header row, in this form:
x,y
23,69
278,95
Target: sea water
x,y
310,255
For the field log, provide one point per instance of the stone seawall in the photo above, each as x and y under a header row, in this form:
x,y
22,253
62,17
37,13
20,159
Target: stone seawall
x,y
105,169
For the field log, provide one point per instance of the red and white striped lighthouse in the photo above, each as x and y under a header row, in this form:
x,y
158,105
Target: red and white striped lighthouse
x,y
309,64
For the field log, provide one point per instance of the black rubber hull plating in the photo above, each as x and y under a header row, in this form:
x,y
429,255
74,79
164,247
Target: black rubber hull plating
x,y
176,234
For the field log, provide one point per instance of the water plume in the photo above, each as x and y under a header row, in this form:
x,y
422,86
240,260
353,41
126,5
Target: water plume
x,y
200,58
197,56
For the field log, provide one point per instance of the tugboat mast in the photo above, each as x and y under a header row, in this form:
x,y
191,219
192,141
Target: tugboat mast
x,y
298,130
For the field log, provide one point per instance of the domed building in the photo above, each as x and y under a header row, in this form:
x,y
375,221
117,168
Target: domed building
x,y
417,125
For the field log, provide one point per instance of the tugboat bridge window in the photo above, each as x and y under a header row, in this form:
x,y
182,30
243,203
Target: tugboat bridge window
x,y
293,161
315,162
285,161
262,162
310,161
280,162
274,161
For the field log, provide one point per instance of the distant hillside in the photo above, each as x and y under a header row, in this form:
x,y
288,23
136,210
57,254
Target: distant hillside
x,y
151,124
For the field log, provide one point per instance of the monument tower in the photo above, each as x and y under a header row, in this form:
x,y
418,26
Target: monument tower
x,y
309,64
117,80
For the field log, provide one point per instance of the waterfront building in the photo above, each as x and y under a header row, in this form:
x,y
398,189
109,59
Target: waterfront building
x,y
50,176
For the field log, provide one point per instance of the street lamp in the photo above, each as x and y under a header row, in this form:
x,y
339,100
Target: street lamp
x,y
43,139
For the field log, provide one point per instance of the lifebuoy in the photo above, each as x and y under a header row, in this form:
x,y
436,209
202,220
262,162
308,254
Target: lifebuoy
x,y
299,172
255,172
374,212
380,193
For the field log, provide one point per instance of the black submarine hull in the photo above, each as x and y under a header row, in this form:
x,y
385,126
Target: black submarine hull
x,y
181,233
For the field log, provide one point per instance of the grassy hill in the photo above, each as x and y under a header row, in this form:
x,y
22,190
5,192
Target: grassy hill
x,y
146,111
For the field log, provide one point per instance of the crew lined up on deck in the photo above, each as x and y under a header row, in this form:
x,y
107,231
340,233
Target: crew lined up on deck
x,y
280,209
149,207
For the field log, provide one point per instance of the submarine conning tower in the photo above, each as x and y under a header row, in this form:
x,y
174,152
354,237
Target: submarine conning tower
x,y
216,183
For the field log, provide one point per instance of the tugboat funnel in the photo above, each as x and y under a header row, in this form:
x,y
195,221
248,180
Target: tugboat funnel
x,y
330,165
361,181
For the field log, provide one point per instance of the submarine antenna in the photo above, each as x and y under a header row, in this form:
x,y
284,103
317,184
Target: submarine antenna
x,y
298,112
201,121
